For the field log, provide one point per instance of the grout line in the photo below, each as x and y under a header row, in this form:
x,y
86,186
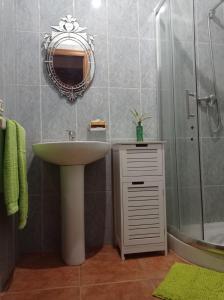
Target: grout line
x,y
108,73
41,137
41,290
139,60
80,286
80,294
40,87
73,8
117,282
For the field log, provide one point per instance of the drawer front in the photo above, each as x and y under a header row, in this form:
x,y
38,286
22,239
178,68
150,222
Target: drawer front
x,y
143,161
143,213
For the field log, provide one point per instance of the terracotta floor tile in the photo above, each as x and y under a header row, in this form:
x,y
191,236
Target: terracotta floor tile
x,y
59,294
156,267
107,266
106,254
102,271
103,276
43,272
141,290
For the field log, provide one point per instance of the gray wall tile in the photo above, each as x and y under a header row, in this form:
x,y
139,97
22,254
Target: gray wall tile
x,y
9,97
51,179
57,115
191,212
51,11
9,61
94,18
31,236
202,9
182,19
121,102
188,162
212,161
27,66
51,223
34,176
124,63
213,203
95,176
146,18
27,16
148,63
95,219
93,105
101,58
149,107
123,18
8,13
28,114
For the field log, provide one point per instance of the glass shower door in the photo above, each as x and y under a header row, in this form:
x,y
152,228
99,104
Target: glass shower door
x,y
179,114
186,118
166,102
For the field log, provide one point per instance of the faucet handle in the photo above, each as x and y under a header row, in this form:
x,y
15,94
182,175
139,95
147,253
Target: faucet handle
x,y
71,134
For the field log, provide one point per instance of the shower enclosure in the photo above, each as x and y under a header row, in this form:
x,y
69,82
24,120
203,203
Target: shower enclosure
x,y
190,65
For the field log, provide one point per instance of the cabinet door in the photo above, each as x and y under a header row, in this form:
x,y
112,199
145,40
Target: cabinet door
x,y
143,161
143,212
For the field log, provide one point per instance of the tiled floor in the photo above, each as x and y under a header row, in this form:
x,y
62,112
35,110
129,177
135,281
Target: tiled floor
x,y
104,276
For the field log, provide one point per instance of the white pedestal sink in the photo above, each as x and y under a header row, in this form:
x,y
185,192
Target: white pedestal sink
x,y
72,158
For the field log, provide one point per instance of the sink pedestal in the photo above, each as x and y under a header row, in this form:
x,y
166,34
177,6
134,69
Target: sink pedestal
x,y
73,226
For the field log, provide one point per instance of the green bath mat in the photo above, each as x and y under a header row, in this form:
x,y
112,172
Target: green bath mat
x,y
188,282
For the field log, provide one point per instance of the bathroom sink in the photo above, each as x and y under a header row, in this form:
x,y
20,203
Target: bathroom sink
x,y
71,153
72,157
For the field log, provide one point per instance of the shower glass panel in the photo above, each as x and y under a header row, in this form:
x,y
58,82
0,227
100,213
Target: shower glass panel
x,y
179,114
210,82
186,118
165,95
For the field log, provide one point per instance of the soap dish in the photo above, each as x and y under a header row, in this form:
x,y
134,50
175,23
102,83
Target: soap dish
x,y
97,129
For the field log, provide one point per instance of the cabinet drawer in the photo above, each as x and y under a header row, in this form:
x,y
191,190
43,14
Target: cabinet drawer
x,y
143,213
143,161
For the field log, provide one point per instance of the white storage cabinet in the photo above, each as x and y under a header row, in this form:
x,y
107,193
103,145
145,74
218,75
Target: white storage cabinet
x,y
139,197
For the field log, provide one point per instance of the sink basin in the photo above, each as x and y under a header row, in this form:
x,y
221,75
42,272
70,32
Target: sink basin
x,y
72,158
71,153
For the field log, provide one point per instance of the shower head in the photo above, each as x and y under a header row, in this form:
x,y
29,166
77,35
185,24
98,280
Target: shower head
x,y
213,9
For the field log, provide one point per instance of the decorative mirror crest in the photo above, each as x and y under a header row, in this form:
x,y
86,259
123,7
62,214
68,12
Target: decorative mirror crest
x,y
70,57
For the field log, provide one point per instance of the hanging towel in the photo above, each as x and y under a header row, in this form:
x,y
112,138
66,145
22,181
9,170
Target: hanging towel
x,y
10,169
15,176
1,159
23,186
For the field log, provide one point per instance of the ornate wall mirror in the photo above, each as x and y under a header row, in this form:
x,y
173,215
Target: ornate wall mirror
x,y
70,57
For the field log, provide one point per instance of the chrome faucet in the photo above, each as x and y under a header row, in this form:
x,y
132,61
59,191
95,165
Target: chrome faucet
x,y
71,135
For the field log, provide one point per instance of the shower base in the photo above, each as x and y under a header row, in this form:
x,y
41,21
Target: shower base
x,y
213,232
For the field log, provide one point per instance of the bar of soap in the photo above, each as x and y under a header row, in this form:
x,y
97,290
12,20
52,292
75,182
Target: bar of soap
x,y
97,123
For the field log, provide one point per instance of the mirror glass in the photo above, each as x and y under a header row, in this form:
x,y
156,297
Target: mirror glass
x,y
70,58
70,62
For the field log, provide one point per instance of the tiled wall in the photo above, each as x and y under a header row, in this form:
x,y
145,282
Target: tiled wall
x,y
125,78
212,145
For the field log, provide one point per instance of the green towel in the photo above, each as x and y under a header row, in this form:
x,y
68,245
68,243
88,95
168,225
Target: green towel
x,y
10,169
15,177
190,282
1,159
23,186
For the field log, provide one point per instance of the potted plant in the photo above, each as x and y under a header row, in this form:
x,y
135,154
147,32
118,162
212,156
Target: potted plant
x,y
138,119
